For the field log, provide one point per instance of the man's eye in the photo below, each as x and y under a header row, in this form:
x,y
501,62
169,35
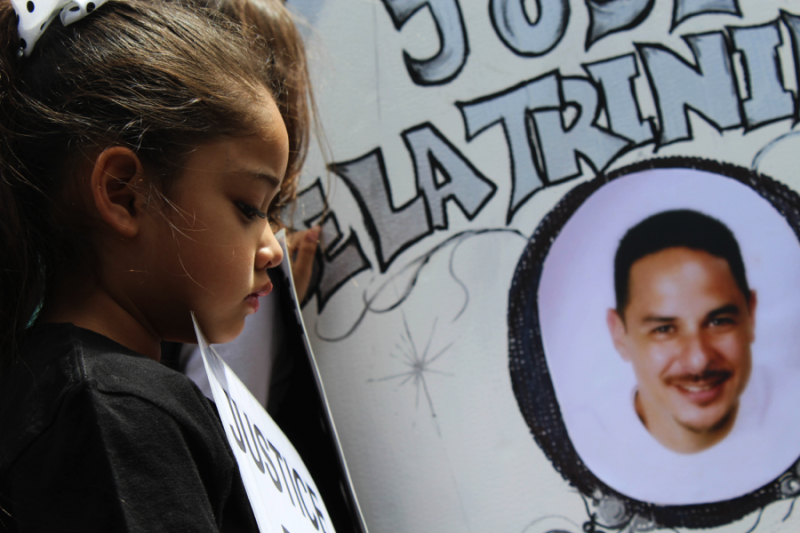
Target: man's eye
x,y
667,328
721,321
249,211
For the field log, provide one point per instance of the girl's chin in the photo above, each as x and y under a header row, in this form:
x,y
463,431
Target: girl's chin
x,y
219,334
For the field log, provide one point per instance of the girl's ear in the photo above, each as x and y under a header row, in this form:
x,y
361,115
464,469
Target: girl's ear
x,y
115,175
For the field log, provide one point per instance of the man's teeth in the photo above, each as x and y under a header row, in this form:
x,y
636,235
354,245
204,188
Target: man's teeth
x,y
695,387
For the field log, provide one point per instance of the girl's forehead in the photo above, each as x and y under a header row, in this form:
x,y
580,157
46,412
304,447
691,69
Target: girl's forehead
x,y
267,117
263,118
264,151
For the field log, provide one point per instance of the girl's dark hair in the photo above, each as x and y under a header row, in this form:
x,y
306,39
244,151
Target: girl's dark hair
x,y
158,77
271,21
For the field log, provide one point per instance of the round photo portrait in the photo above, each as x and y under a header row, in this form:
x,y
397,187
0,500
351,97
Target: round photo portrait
x,y
654,341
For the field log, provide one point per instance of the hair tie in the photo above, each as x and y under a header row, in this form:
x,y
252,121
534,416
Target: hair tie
x,y
34,16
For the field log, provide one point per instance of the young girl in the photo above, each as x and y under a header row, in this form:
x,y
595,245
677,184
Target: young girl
x,y
250,354
143,160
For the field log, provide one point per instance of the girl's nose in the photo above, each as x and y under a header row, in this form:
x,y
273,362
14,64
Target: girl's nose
x,y
269,254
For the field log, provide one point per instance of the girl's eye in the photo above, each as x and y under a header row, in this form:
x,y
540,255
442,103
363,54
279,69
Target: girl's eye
x,y
249,211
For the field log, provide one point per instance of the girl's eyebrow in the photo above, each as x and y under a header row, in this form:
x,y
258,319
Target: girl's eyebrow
x,y
271,179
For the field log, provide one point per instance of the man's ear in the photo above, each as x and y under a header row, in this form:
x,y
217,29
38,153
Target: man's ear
x,y
616,326
751,304
115,173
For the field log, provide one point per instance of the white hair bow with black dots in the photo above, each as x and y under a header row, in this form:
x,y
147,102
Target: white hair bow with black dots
x,y
34,16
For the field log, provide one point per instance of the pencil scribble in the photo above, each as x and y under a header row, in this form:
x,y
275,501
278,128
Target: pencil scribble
x,y
419,365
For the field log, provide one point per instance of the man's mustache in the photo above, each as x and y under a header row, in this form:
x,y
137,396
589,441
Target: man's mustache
x,y
708,375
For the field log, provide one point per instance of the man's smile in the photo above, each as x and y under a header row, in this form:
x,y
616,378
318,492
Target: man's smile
x,y
686,322
701,389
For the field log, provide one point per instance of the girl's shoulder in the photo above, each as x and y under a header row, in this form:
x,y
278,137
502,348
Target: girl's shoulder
x,y
68,372
123,442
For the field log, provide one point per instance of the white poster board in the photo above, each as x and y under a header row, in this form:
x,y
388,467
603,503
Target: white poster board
x,y
282,494
465,139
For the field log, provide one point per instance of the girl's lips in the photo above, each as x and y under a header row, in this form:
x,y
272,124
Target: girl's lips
x,y
252,298
264,291
252,301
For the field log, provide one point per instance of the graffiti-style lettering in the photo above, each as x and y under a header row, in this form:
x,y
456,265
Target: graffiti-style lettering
x,y
343,257
454,47
767,99
606,17
510,109
615,77
341,264
520,34
461,182
560,143
544,138
391,229
793,24
685,9
310,204
709,88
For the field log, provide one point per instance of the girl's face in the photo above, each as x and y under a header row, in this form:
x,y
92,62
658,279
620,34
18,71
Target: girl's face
x,y
212,250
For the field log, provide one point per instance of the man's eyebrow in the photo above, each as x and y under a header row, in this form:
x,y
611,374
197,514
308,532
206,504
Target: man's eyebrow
x,y
659,319
730,309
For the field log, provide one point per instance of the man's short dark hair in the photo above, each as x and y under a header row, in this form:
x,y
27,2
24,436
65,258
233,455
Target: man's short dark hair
x,y
682,228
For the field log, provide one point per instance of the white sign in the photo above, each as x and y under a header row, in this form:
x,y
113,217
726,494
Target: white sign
x,y
282,494
482,162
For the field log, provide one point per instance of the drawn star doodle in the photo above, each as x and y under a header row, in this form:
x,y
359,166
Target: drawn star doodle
x,y
419,364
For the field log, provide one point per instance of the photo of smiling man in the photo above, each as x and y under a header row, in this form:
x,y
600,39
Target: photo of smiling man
x,y
684,320
668,304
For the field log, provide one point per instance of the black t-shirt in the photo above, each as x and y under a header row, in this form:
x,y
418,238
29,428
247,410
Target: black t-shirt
x,y
95,437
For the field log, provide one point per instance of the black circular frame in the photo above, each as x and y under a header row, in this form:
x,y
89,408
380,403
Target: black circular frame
x,y
536,397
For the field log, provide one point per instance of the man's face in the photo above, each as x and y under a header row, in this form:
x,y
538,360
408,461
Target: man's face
x,y
687,331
